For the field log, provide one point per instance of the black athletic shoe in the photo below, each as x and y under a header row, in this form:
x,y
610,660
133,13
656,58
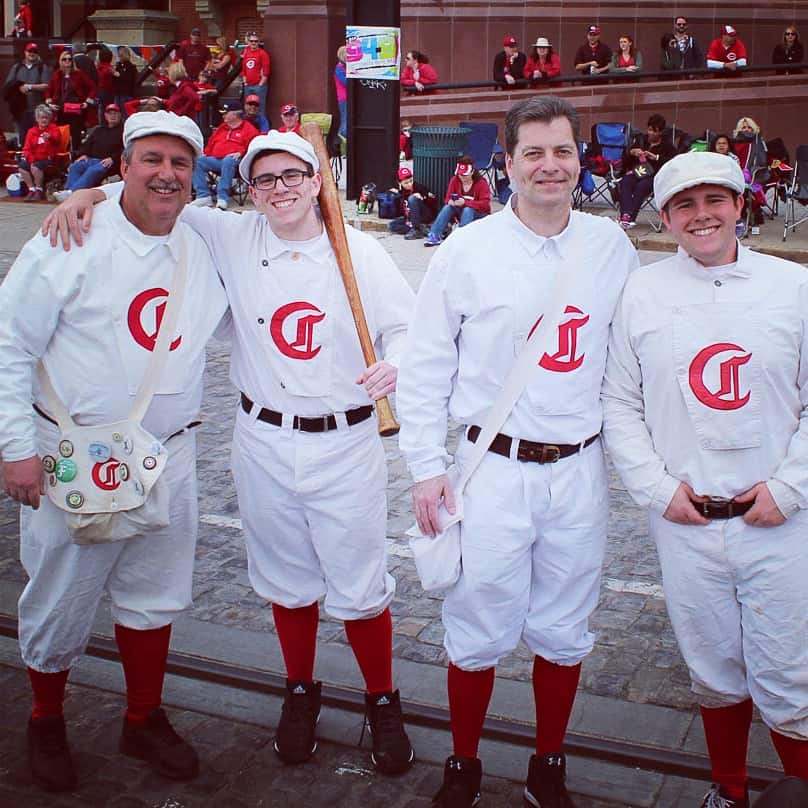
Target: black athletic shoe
x,y
716,797
49,755
545,782
158,744
461,783
392,753
295,739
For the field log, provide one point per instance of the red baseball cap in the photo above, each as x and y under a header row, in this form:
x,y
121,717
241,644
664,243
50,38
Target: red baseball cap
x,y
404,173
112,108
509,41
288,109
728,30
593,29
32,46
252,99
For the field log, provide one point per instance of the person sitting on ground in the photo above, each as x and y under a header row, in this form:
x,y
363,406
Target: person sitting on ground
x,y
99,155
789,51
509,63
543,62
290,117
627,59
183,99
468,197
593,57
417,74
223,152
750,147
727,52
681,51
252,114
419,206
42,143
643,160
722,144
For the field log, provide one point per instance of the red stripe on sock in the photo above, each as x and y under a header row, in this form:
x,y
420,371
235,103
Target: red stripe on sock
x,y
372,644
297,634
469,695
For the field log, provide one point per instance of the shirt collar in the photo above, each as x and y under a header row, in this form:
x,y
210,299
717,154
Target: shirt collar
x,y
532,242
318,249
742,268
138,242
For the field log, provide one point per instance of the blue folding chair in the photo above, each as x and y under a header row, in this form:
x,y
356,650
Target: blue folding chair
x,y
605,159
481,146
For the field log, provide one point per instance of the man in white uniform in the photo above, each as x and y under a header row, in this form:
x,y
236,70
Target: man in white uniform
x,y
705,418
94,330
307,459
535,511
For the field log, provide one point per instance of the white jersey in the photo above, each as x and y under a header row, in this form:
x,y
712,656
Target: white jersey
x,y
295,346
707,380
92,315
481,298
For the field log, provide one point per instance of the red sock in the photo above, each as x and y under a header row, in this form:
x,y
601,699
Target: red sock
x,y
727,732
793,754
554,689
372,644
49,692
143,656
469,694
297,634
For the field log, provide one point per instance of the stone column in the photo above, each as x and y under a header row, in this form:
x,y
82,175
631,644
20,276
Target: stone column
x,y
134,26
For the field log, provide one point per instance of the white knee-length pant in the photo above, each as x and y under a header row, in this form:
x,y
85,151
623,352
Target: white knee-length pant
x,y
148,578
737,597
532,538
314,511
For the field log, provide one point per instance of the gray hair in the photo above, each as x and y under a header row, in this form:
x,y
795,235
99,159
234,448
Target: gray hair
x,y
43,109
541,108
129,151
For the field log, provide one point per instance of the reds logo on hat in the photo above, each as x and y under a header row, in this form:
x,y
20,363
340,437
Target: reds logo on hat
x,y
404,173
288,109
593,29
729,30
509,41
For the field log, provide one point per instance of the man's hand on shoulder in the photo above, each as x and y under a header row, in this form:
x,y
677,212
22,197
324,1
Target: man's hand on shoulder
x,y
379,379
72,218
426,497
24,481
764,512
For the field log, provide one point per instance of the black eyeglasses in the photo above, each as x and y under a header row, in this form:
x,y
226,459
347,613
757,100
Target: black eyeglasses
x,y
291,178
791,33
681,25
66,59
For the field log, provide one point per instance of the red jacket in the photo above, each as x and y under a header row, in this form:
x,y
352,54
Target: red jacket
x,y
83,87
225,141
427,76
105,76
183,100
478,198
37,147
549,69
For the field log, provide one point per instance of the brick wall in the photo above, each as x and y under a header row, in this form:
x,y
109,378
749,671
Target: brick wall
x,y
238,17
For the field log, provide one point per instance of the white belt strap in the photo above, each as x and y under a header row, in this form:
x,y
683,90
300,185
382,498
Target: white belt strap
x,y
157,360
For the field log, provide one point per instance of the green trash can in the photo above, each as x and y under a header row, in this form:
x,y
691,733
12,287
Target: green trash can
x,y
435,150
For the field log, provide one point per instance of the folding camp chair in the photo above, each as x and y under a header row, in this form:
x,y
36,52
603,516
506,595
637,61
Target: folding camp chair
x,y
797,192
605,159
781,174
481,146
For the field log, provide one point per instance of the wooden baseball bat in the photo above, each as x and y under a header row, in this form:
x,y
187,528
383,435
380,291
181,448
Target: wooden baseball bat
x,y
331,211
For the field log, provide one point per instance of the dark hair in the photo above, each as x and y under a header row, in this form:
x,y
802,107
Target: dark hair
x,y
268,152
541,108
657,122
105,55
716,139
632,51
419,57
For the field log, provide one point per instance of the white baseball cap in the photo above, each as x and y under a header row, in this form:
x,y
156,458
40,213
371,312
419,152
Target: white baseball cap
x,y
278,141
143,124
696,168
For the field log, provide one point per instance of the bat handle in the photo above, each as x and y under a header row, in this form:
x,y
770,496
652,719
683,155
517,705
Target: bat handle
x,y
387,421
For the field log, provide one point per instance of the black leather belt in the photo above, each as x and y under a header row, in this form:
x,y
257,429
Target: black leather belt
x,y
529,451
722,508
306,423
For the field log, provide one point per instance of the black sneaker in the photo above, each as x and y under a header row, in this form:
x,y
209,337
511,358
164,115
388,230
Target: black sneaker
x,y
461,783
545,782
392,753
716,797
49,755
158,744
295,740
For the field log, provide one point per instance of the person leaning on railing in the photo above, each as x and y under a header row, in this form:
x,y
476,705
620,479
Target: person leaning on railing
x,y
543,62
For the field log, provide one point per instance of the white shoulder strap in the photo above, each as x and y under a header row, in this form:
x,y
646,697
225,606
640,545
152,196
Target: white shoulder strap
x,y
156,362
539,343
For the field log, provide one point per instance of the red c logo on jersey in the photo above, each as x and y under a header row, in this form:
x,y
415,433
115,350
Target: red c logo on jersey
x,y
729,377
250,63
564,359
143,337
105,475
302,347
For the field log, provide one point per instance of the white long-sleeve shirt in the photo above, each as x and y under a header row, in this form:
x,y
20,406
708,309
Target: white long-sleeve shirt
x,y
295,347
707,380
91,314
482,295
